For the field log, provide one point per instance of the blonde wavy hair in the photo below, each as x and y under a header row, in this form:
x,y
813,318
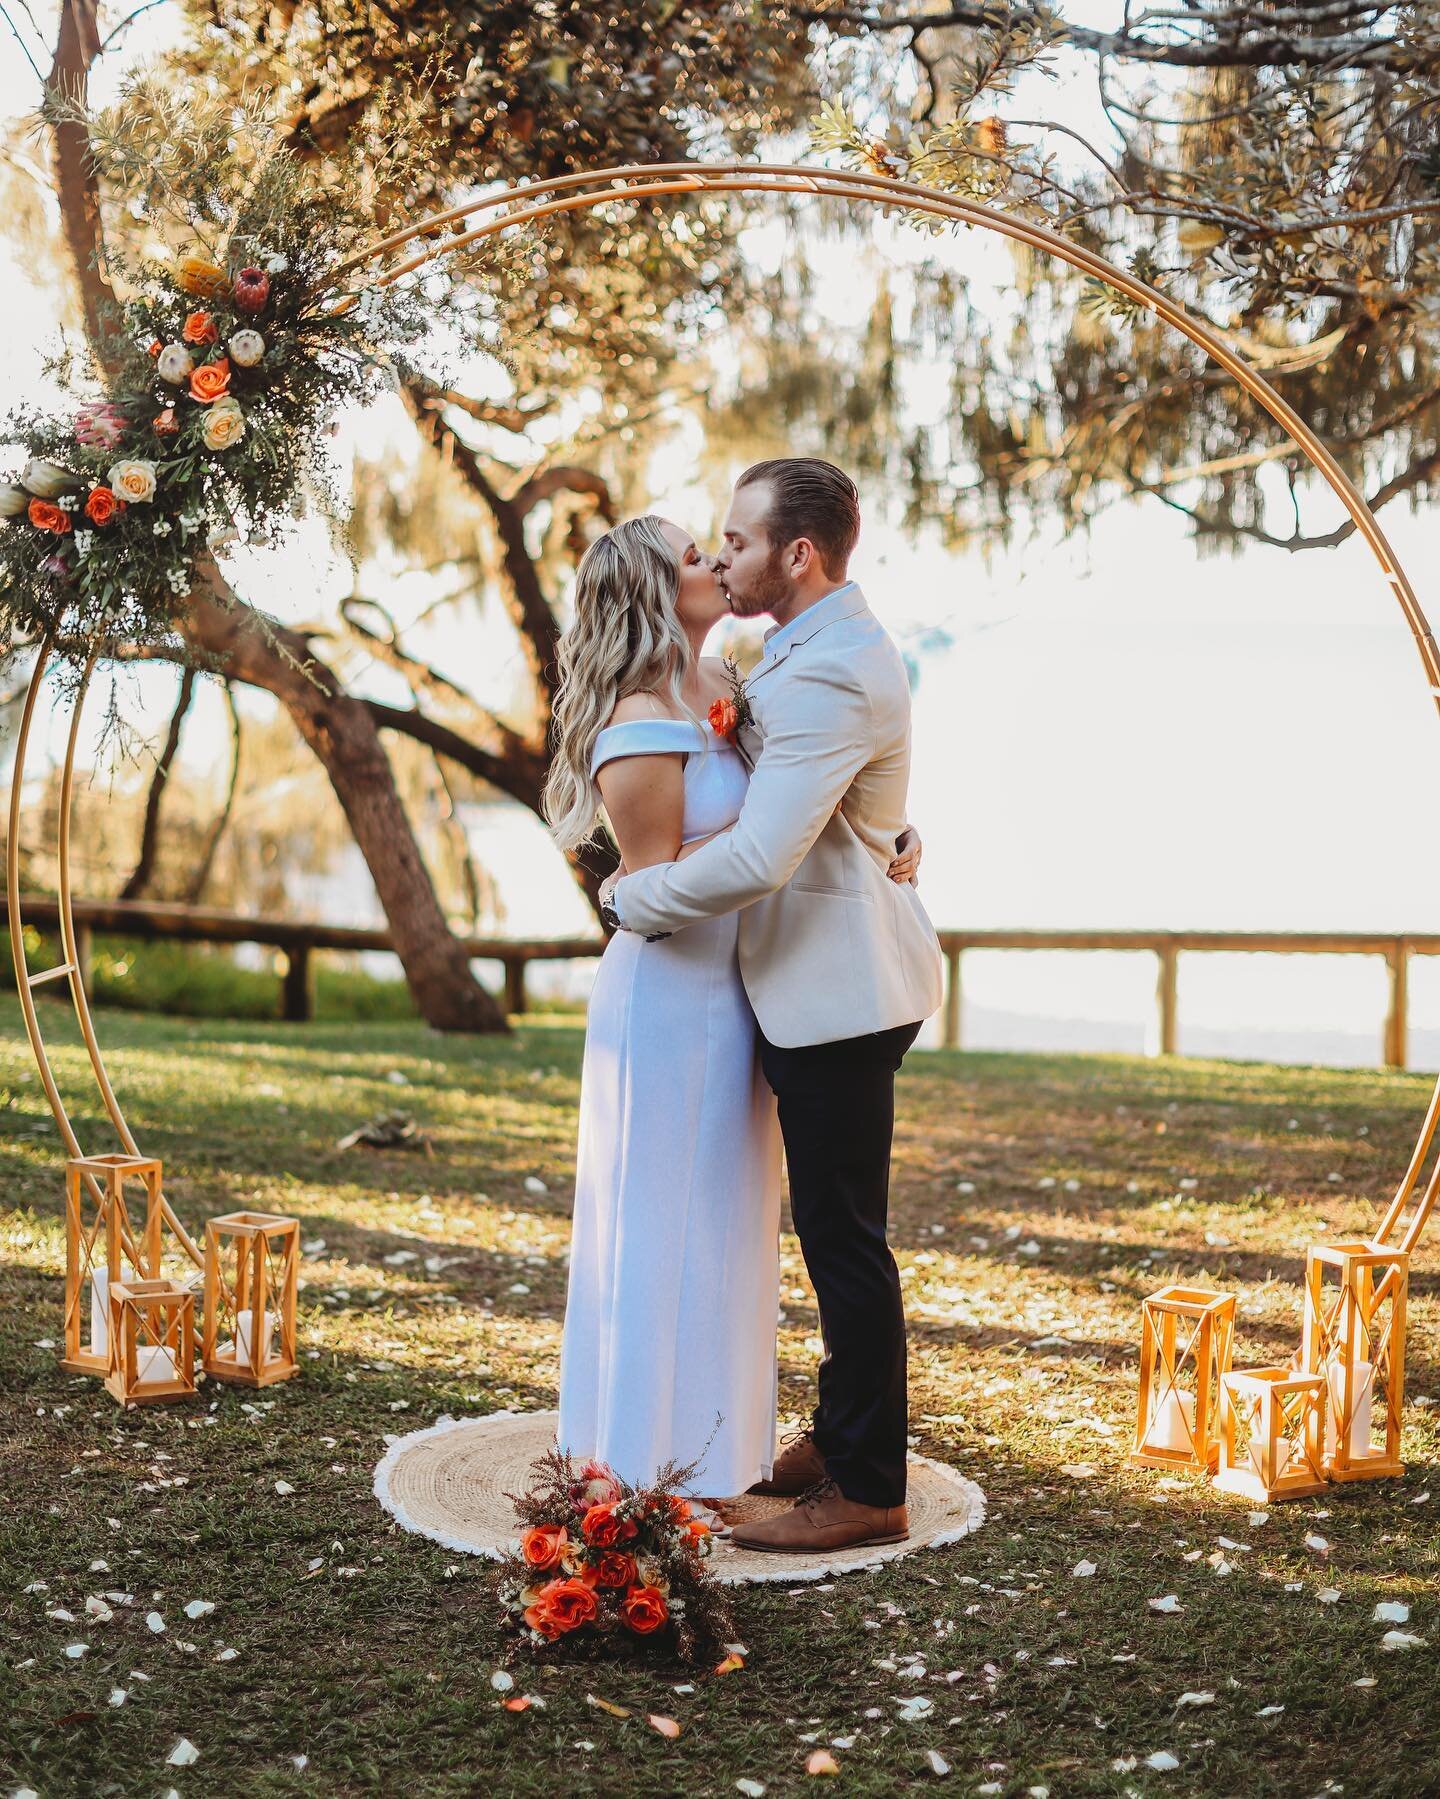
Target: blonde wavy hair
x,y
626,638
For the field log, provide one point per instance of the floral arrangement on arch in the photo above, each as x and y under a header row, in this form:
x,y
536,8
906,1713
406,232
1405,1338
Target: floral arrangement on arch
x,y
605,1566
230,346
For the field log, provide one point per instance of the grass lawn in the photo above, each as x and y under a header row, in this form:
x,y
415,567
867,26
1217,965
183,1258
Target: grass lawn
x,y
1037,1199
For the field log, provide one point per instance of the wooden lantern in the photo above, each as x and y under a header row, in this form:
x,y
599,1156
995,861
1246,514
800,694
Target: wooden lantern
x,y
252,1270
1355,1340
152,1341
1179,1376
1271,1428
101,1247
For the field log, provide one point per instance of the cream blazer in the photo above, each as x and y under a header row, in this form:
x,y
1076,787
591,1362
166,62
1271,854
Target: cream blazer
x,y
830,947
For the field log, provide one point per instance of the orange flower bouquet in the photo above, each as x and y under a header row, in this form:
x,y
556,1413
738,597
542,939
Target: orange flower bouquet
x,y
605,1567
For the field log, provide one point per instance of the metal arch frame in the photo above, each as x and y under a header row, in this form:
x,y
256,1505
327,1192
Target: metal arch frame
x,y
531,203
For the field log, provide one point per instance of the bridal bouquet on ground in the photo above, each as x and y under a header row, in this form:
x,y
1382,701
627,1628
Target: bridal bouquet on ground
x,y
609,1567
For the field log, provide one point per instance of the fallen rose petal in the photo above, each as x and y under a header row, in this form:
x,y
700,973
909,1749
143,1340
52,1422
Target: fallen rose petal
x,y
501,1681
1365,1680
283,1487
227,1655
76,1650
1403,1639
822,1762
615,1711
1392,1611
732,1664
155,1622
1196,1699
666,1726
1162,1761
183,1754
1318,1543
1270,1711
752,1789
1170,1604
1329,1595
518,1704
938,1763
1083,1570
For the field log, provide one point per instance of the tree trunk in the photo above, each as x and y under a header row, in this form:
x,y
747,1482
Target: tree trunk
x,y
343,735
200,877
144,870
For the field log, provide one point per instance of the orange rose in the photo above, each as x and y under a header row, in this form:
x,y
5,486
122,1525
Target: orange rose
x,y
47,517
679,1508
644,1609
200,328
542,1545
724,718
156,346
561,1606
102,506
210,380
615,1568
604,1529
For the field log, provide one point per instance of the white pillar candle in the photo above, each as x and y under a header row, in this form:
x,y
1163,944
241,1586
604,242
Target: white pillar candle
x,y
1257,1449
1172,1424
240,1342
1363,1393
153,1362
100,1306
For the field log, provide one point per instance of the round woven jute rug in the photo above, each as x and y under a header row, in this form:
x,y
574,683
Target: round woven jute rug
x,y
451,1483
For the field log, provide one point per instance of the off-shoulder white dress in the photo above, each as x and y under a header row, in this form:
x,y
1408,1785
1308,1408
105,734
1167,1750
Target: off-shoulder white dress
x,y
674,1269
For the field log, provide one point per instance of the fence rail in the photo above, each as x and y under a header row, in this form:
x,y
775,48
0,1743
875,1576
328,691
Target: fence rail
x,y
195,924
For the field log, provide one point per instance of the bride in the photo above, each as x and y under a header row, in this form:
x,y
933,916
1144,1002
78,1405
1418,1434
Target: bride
x,y
669,1350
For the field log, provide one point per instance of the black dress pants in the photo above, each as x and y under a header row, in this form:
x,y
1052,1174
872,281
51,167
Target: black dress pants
x,y
837,1116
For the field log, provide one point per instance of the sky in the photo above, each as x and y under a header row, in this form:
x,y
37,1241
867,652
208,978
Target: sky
x,y
1115,733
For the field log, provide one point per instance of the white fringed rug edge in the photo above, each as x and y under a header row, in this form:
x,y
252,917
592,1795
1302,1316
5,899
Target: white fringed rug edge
x,y
945,1505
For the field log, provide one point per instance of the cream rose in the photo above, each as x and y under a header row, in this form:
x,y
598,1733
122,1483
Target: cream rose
x,y
246,348
224,424
14,502
133,481
46,480
174,364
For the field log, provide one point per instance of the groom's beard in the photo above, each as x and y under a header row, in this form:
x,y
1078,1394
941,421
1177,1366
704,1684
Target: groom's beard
x,y
769,589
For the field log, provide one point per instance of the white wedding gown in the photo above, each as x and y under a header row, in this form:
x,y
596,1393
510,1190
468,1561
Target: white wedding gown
x,y
674,1261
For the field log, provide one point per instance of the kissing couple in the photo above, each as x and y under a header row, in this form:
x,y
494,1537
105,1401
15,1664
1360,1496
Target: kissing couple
x,y
771,963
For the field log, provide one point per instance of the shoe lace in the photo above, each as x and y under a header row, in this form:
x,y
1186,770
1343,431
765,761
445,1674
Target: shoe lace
x,y
821,1489
793,1440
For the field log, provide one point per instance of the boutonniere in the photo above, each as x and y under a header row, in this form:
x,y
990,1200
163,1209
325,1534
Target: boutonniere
x,y
730,712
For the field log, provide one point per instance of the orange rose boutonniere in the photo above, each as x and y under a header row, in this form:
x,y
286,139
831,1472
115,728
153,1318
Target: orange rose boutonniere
x,y
210,381
45,516
732,710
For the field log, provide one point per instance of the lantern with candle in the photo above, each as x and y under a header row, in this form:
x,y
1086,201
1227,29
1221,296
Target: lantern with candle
x,y
151,1341
101,1247
252,1267
1271,1425
1355,1340
1179,1376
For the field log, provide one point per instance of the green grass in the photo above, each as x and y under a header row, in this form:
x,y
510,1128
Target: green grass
x,y
376,1664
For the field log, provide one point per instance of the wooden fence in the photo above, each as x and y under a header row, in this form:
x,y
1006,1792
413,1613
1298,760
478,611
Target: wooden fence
x,y
299,941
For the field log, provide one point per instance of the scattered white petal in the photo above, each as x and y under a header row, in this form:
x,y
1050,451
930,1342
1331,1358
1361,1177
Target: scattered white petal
x,y
283,1487
1402,1639
1317,1543
938,1763
60,1615
501,1681
99,1567
1392,1611
916,1706
183,1754
1420,1499
155,1622
302,1762
1079,1470
1083,1570
199,1608
1196,1699
76,1650
1270,1711
1162,1761
533,1184
118,1695
752,1789
1256,1519
1329,1595
1125,1764
227,1655
1365,1680
1169,1604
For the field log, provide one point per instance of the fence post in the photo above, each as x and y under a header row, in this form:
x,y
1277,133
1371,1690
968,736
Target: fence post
x,y
515,985
298,987
1397,1016
1166,998
950,1024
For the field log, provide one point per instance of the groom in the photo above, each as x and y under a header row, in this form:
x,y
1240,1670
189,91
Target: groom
x,y
840,963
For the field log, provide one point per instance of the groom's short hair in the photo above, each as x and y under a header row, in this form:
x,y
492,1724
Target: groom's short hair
x,y
813,499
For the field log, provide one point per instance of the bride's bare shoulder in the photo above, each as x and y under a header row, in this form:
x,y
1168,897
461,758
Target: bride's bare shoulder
x,y
633,706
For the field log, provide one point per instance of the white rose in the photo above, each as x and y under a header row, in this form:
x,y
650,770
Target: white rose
x,y
14,502
46,480
133,481
174,364
246,348
224,424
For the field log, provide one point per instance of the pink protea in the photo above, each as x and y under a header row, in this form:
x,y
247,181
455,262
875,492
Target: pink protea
x,y
100,426
251,289
596,1484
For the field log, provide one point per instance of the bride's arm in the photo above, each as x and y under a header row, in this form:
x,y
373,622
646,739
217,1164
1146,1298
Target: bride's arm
x,y
644,800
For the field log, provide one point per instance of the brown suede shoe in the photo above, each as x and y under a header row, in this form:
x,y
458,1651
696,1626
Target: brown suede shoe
x,y
825,1519
797,1468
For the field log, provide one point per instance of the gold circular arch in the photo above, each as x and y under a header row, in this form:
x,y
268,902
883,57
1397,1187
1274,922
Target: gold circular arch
x,y
531,203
